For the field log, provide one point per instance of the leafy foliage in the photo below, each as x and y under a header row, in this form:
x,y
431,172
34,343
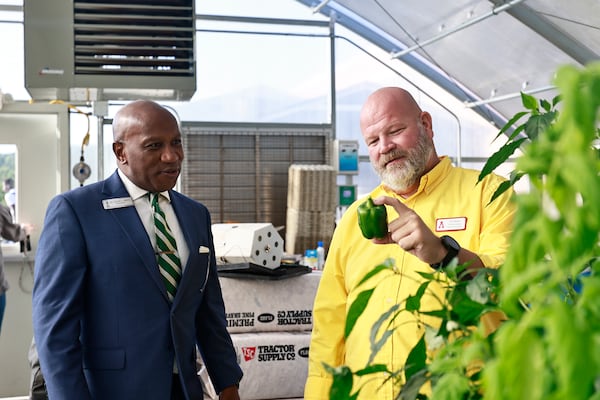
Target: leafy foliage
x,y
542,115
547,289
555,239
459,311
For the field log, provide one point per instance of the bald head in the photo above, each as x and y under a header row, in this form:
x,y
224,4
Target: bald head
x,y
147,144
386,101
137,116
399,137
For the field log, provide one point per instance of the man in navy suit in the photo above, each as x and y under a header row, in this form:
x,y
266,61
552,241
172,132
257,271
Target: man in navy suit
x,y
104,325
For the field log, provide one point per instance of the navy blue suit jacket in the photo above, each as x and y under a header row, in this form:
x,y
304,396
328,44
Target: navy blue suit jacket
x,y
103,324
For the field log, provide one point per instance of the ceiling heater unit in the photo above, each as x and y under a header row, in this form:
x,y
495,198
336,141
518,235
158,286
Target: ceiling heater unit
x,y
97,50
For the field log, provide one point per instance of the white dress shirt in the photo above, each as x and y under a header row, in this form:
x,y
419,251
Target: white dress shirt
x,y
142,204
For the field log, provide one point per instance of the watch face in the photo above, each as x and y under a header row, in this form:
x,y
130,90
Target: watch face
x,y
450,243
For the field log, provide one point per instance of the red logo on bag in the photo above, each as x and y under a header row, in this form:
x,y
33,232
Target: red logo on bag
x,y
249,353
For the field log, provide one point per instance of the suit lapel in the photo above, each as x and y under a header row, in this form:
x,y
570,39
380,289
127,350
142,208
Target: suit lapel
x,y
129,221
196,263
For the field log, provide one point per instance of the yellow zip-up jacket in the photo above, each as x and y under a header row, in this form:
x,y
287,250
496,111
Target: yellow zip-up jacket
x,y
450,202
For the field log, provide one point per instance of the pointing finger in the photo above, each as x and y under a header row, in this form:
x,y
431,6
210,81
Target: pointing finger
x,y
390,201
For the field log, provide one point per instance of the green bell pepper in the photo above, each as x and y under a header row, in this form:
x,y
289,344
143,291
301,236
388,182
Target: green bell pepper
x,y
372,219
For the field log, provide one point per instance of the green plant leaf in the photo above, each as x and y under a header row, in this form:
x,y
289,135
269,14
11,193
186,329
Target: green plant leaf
x,y
384,266
557,99
356,309
416,360
519,346
377,344
499,157
413,303
464,310
502,187
410,390
529,102
518,130
443,313
426,275
372,369
451,386
455,271
573,381
538,123
479,289
511,122
341,387
546,105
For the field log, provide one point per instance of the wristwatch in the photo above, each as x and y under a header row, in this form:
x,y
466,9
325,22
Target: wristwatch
x,y
453,248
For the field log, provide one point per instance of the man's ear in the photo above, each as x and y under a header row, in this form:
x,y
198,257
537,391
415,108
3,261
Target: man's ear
x,y
427,122
119,153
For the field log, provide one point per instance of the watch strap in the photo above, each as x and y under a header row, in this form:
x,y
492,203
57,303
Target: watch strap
x,y
453,248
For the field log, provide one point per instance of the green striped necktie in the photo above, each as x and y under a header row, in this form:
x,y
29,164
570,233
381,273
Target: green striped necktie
x,y
169,263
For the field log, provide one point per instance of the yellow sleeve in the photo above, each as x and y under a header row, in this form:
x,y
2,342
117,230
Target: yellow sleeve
x,y
329,318
497,225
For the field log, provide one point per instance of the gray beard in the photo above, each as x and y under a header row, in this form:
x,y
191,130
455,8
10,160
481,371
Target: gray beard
x,y
402,177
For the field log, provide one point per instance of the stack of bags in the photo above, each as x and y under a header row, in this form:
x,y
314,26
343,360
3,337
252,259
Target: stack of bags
x,y
270,323
311,205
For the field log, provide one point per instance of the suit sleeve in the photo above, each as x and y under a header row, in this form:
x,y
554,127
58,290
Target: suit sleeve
x,y
60,268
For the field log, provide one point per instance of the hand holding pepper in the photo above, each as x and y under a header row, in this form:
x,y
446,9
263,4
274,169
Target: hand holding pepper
x,y
412,234
372,219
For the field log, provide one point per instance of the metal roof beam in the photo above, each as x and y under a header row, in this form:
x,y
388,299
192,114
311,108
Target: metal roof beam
x,y
347,19
498,9
549,31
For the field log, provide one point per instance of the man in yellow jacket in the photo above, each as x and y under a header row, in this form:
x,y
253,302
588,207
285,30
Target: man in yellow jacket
x,y
436,212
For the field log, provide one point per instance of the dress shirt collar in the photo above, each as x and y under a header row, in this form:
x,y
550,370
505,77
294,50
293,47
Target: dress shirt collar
x,y
135,192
